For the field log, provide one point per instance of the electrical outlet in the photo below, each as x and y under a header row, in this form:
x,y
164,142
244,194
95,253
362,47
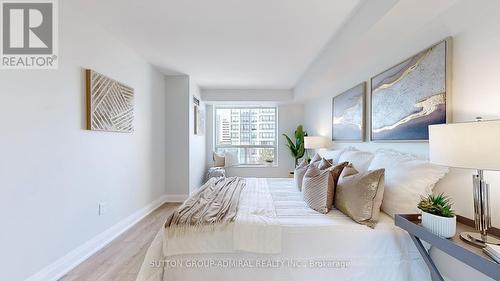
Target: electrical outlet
x,y
103,208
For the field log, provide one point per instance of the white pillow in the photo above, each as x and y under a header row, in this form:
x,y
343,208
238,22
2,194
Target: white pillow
x,y
333,155
231,158
406,179
360,160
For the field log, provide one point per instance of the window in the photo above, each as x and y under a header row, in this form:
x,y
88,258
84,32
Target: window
x,y
247,134
266,126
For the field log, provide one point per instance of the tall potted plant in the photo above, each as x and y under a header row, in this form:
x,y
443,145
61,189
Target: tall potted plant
x,y
296,148
438,216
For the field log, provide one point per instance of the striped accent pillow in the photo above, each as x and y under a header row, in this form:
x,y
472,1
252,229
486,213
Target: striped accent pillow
x,y
318,186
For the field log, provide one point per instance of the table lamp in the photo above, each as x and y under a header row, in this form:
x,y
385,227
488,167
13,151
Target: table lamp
x,y
470,145
315,142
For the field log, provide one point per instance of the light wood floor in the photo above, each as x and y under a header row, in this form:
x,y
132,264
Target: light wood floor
x,y
121,259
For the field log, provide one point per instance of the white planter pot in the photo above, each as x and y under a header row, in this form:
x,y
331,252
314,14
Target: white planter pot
x,y
441,226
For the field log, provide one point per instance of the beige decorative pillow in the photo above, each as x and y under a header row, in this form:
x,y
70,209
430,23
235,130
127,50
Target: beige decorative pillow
x,y
319,186
219,160
299,173
324,164
359,195
315,160
336,171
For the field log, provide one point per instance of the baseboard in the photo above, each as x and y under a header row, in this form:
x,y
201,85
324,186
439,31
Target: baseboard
x,y
176,198
63,265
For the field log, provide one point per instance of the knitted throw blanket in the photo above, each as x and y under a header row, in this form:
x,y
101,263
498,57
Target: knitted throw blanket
x,y
215,203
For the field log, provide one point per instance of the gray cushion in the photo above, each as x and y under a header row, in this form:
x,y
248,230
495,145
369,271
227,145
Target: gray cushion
x,y
316,160
215,172
299,173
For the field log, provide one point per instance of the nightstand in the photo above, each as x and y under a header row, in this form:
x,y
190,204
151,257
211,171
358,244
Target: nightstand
x,y
291,174
455,247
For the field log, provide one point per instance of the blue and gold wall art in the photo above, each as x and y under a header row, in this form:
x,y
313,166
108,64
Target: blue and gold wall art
x,y
348,109
410,96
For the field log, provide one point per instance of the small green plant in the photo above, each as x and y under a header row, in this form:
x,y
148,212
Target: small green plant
x,y
439,205
297,149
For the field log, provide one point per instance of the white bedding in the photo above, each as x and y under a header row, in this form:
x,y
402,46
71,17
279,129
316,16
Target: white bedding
x,y
255,229
313,246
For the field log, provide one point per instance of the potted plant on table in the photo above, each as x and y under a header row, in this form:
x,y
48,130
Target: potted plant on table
x,y
438,215
297,148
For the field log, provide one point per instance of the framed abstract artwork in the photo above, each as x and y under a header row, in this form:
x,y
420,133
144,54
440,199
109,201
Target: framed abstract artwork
x,y
199,118
110,104
348,114
199,121
410,96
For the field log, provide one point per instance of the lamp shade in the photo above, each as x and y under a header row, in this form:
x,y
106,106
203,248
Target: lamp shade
x,y
470,145
314,142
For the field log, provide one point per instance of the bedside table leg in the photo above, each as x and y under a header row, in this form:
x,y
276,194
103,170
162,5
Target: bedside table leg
x,y
435,275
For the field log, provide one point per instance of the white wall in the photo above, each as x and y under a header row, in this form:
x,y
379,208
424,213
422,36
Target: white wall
x,y
53,173
381,34
289,117
186,164
246,95
197,144
178,130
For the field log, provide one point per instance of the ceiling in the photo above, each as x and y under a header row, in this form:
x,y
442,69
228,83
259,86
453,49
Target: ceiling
x,y
225,44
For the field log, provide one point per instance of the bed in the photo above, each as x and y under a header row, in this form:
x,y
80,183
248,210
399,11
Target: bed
x,y
275,236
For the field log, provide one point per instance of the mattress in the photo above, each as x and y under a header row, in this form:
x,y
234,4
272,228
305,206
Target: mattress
x,y
313,245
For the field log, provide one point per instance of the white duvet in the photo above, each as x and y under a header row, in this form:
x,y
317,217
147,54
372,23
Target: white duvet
x,y
254,230
277,237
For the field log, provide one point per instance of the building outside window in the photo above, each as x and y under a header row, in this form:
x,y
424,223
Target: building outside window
x,y
247,133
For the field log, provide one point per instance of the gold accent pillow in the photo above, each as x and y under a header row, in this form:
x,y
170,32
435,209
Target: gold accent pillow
x,y
359,195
